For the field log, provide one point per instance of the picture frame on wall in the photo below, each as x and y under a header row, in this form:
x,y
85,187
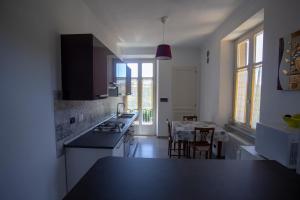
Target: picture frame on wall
x,y
289,62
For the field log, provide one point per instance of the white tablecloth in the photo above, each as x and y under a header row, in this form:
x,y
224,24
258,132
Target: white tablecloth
x,y
184,130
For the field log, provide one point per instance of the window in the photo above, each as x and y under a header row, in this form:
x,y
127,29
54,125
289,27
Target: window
x,y
248,73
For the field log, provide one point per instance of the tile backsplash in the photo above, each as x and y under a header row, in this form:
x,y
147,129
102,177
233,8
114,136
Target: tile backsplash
x,y
86,115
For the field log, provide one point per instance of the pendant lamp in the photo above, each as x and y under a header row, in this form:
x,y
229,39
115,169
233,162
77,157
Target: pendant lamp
x,y
163,51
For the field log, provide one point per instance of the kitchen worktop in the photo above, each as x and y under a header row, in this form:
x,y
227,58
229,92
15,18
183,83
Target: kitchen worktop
x,y
98,139
163,179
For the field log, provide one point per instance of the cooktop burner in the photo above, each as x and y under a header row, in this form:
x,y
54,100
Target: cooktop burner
x,y
110,126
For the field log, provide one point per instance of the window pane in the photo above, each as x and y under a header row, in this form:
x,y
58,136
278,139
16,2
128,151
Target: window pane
x,y
243,54
121,70
147,101
241,95
259,41
256,93
147,70
134,69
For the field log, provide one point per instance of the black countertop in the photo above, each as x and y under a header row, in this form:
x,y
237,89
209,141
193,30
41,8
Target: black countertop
x,y
163,179
101,140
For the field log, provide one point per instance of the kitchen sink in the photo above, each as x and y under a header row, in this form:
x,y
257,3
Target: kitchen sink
x,y
126,115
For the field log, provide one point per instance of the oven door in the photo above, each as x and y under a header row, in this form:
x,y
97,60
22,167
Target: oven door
x,y
126,140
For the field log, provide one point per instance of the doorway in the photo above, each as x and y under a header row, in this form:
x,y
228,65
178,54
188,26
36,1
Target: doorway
x,y
142,98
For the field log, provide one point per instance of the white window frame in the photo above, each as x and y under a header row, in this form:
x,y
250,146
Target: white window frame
x,y
250,35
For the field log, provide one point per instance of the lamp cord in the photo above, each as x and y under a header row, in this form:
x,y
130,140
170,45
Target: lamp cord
x,y
163,33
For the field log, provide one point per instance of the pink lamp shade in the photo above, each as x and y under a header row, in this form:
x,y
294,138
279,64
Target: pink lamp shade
x,y
163,52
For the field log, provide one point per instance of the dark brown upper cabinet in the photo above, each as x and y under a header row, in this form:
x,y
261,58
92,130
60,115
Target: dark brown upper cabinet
x,y
121,77
84,61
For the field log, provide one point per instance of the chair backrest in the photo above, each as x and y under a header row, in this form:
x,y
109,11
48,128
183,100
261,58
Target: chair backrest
x,y
204,135
169,127
190,118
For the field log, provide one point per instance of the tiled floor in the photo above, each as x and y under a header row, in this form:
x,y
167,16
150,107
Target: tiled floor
x,y
154,147
151,147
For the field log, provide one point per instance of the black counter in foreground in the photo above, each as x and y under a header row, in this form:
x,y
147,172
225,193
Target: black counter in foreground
x,y
163,179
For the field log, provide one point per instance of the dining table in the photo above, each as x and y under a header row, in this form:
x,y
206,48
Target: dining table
x,y
184,131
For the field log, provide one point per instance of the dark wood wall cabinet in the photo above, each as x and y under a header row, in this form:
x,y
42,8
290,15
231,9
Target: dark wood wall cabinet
x,y
85,65
121,76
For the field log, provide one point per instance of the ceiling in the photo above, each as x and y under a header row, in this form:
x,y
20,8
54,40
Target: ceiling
x,y
136,23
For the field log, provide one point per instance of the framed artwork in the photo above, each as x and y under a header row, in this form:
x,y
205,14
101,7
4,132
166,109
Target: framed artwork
x,y
289,62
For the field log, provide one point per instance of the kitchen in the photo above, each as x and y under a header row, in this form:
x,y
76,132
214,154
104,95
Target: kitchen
x,y
48,123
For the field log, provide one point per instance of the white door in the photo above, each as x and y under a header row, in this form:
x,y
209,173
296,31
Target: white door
x,y
142,98
184,91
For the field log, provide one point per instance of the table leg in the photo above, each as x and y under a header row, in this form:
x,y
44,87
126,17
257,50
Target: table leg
x,y
179,149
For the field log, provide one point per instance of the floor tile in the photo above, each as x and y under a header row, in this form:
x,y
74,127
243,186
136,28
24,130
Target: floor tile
x,y
151,147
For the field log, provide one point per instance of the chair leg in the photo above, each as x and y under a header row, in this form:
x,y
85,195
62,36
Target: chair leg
x,y
170,149
194,152
184,148
179,149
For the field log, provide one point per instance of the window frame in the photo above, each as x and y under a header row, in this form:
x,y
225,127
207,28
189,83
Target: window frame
x,y
250,35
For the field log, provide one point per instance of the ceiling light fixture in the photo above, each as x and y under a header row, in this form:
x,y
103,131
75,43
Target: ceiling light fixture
x,y
163,51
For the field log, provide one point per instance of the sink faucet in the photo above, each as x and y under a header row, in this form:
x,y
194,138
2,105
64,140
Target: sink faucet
x,y
118,112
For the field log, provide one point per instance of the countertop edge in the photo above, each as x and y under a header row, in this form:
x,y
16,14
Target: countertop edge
x,y
67,144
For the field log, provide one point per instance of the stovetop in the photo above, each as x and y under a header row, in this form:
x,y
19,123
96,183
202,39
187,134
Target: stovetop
x,y
112,126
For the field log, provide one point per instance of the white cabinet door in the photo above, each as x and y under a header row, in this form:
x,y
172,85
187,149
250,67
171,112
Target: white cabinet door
x,y
118,151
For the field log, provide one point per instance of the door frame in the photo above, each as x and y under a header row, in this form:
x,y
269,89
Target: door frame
x,y
140,61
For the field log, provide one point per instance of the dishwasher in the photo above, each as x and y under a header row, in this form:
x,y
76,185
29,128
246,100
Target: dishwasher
x,y
130,143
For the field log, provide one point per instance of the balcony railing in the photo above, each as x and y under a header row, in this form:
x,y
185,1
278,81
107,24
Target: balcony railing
x,y
147,115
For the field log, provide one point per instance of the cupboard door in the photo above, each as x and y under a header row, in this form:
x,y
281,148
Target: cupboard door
x,y
128,81
100,73
120,73
76,66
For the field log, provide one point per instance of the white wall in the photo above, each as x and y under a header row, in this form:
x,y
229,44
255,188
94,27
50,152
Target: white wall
x,y
280,18
29,61
181,57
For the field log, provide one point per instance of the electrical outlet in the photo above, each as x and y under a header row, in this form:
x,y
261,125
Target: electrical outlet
x,y
80,117
72,120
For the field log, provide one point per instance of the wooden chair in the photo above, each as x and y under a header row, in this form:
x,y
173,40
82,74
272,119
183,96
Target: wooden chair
x,y
170,145
179,146
203,141
189,118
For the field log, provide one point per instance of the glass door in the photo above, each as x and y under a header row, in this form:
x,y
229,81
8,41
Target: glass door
x,y
142,98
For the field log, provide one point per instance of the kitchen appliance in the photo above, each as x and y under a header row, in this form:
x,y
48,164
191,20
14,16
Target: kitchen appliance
x,y
113,89
130,143
278,143
112,126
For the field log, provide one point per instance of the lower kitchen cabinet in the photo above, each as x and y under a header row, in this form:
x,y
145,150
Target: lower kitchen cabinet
x,y
80,160
118,151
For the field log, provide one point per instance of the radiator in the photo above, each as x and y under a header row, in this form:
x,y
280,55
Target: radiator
x,y
232,147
